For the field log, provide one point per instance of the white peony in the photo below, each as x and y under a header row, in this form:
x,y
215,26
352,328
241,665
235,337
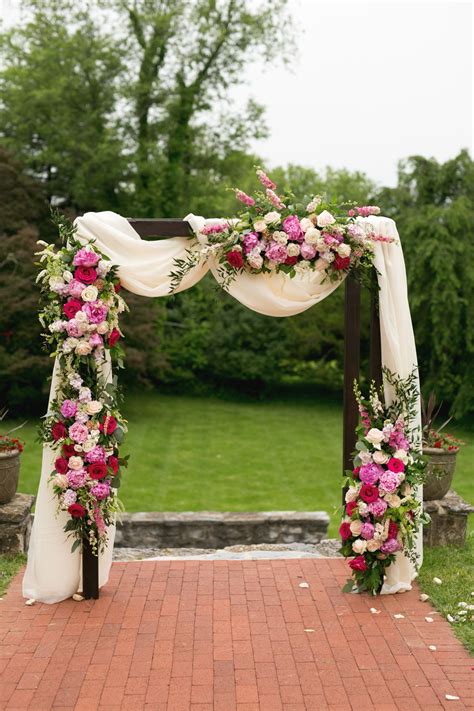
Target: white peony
x,y
365,457
69,345
401,454
67,276
356,527
380,457
260,225
328,256
313,235
56,284
393,500
57,326
293,250
351,494
325,219
83,348
93,407
321,244
102,327
344,249
272,218
75,463
359,546
363,508
306,224
373,545
81,317
255,261
90,293
375,437
280,237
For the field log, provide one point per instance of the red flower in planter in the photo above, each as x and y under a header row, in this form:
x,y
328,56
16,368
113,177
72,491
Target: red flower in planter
x,y
77,510
58,431
341,262
97,471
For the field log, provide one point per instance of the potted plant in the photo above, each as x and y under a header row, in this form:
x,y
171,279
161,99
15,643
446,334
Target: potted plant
x,y
10,450
440,450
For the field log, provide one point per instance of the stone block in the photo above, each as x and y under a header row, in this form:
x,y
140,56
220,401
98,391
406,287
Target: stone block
x,y
448,521
15,524
215,530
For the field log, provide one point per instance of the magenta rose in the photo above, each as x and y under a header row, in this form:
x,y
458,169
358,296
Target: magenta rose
x,y
292,227
96,311
345,530
276,252
235,259
85,258
358,563
58,431
71,307
369,493
341,263
396,465
377,508
87,275
370,473
68,408
308,251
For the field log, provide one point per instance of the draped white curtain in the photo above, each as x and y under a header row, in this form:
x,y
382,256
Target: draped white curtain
x,y
53,573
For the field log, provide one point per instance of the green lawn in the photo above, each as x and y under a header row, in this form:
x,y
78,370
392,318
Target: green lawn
x,y
204,453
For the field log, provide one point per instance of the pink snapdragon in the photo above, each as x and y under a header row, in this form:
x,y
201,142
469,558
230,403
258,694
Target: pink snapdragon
x,y
274,199
214,229
265,180
243,197
366,211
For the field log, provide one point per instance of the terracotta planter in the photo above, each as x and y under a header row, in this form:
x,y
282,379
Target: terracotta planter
x,y
9,473
440,472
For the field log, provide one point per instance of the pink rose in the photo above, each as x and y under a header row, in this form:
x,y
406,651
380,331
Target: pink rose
x,y
396,465
96,311
68,408
292,227
87,275
85,258
308,251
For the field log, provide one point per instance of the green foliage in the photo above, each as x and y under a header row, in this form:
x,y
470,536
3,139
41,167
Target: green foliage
x,y
10,564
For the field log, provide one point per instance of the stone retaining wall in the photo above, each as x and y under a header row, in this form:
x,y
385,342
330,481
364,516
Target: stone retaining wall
x,y
207,529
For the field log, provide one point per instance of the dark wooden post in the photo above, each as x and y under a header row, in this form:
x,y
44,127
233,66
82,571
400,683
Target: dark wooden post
x,y
90,572
351,368
375,362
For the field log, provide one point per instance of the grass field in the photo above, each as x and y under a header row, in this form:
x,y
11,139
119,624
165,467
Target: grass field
x,y
204,453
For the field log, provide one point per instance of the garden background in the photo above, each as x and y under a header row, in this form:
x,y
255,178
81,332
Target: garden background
x,y
128,108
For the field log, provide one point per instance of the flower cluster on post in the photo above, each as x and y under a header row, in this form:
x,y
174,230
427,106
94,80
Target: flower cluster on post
x,y
80,314
382,512
276,233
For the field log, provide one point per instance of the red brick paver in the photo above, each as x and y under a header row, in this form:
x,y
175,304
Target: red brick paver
x,y
224,635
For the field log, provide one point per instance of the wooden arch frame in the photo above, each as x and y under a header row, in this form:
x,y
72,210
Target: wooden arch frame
x,y
166,228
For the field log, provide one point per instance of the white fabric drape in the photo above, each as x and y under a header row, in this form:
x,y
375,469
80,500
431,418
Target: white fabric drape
x,y
144,268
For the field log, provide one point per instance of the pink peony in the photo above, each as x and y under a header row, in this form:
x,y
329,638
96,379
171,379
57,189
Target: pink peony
x,y
78,432
96,455
276,252
389,481
76,478
370,473
395,465
377,508
101,490
308,251
69,497
96,340
74,328
250,242
390,546
68,408
96,311
367,531
292,227
75,288
85,258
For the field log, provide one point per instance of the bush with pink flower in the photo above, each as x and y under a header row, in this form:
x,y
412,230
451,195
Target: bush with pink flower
x,y
275,232
80,314
382,513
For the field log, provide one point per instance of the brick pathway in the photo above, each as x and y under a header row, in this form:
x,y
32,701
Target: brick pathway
x,y
223,635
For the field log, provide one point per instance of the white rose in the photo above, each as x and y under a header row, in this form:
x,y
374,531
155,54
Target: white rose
x,y
306,224
70,344
90,293
325,219
75,463
255,261
320,265
359,546
89,444
83,348
363,508
351,494
56,283
293,250
280,237
93,407
393,500
270,264
260,225
60,480
375,437
67,276
272,218
328,256
312,235
321,245
401,454
81,317
57,326
356,527
344,250
373,545
303,266
380,457
365,457
102,327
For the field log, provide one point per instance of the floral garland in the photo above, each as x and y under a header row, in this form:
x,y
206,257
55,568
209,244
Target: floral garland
x,y
276,233
382,513
80,312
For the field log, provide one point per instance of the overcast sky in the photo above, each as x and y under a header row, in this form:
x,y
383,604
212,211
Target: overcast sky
x,y
372,82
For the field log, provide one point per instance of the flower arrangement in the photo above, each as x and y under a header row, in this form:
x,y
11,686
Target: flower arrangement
x,y
434,436
80,312
276,233
382,513
8,443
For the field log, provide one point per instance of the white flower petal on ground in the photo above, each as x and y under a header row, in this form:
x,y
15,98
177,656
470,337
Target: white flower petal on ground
x,y
429,619
309,630
450,618
450,697
433,647
399,617
462,604
437,581
374,611
303,585
31,601
424,597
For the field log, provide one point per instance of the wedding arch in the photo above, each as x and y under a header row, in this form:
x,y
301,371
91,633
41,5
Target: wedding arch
x,y
141,254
